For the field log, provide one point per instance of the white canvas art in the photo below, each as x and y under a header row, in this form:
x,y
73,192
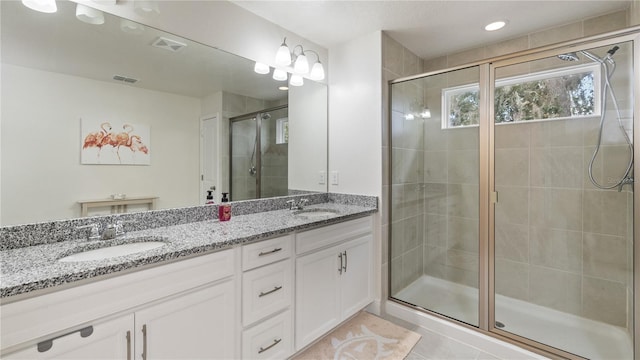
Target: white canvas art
x,y
115,143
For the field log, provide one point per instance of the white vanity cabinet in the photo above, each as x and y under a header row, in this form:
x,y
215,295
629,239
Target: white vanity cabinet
x,y
185,309
333,276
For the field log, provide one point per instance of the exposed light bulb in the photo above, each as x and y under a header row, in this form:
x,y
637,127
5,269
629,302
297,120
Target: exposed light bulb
x,y
283,56
301,65
279,75
296,80
261,68
45,6
89,15
409,117
317,72
426,113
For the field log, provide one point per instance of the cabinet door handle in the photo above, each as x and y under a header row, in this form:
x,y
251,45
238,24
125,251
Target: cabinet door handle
x,y
48,344
340,267
128,345
344,268
270,291
144,342
270,252
275,342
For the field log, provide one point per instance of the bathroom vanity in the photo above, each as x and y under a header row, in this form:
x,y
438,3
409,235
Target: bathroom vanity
x,y
263,287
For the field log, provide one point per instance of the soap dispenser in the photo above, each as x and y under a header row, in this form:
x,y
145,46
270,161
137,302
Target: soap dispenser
x,y
224,209
210,197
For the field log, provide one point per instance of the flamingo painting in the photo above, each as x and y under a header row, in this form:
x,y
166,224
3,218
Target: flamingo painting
x,y
113,143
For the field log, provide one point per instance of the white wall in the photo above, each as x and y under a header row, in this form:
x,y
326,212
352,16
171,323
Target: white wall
x,y
355,108
308,136
42,177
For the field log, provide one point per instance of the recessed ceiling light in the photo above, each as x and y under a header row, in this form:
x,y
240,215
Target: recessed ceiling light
x,y
496,25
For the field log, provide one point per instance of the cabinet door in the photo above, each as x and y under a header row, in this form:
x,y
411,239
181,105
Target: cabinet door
x,y
197,325
317,295
356,284
106,340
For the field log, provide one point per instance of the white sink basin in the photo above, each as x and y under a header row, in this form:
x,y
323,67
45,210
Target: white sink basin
x,y
113,251
316,213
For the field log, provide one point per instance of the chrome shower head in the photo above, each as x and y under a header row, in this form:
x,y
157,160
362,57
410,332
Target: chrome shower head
x,y
265,116
572,56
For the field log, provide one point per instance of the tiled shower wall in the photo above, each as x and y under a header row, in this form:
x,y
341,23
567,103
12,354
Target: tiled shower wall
x,y
436,236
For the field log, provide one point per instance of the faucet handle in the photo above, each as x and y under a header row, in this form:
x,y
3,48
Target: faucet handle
x,y
94,232
291,203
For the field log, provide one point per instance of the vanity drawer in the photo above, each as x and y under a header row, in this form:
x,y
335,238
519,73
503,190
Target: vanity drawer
x,y
328,235
266,252
271,339
266,290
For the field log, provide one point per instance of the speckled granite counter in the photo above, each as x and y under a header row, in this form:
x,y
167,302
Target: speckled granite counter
x,y
30,268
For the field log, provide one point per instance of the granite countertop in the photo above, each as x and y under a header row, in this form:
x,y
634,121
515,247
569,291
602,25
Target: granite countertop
x,y
31,268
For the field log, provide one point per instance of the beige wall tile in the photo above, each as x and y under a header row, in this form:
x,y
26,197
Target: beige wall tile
x,y
396,275
435,198
555,35
605,23
463,260
413,165
605,257
435,230
412,265
563,209
556,289
461,276
462,200
435,261
385,166
512,242
512,167
412,232
397,166
507,47
463,139
558,167
605,301
396,243
411,63
463,76
413,199
397,203
513,136
463,166
435,64
392,58
605,212
435,166
557,249
467,56
435,139
513,205
462,234
512,279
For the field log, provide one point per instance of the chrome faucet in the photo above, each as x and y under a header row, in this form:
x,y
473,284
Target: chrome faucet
x,y
109,232
297,206
94,231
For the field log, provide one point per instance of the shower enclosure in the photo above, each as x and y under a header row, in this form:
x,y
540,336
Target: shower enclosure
x,y
259,154
512,196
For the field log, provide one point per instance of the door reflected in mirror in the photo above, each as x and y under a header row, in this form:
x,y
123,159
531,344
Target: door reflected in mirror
x,y
58,72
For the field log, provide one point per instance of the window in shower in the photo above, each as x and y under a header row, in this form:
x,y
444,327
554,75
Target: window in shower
x,y
434,252
569,92
563,223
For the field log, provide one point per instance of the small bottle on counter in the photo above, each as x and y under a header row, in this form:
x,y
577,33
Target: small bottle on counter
x,y
224,209
210,197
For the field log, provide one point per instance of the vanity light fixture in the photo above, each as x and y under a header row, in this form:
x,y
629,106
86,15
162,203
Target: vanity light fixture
x,y
283,56
426,113
45,6
496,25
296,80
298,57
279,75
89,15
146,7
261,68
301,66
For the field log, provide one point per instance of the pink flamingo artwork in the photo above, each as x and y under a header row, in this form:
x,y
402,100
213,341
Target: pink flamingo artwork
x,y
134,138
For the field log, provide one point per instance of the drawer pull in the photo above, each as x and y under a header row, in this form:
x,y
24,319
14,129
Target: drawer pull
x,y
48,344
270,252
270,291
275,342
144,342
128,345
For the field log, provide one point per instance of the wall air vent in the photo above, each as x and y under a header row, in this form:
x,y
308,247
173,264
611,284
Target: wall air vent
x,y
125,79
168,44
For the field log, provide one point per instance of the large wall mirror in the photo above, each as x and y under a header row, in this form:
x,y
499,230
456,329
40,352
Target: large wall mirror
x,y
91,111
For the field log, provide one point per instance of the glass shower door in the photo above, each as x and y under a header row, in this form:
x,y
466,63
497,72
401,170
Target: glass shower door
x,y
563,222
274,164
434,186
244,159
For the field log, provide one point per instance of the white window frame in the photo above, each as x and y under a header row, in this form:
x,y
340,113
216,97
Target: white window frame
x,y
594,68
